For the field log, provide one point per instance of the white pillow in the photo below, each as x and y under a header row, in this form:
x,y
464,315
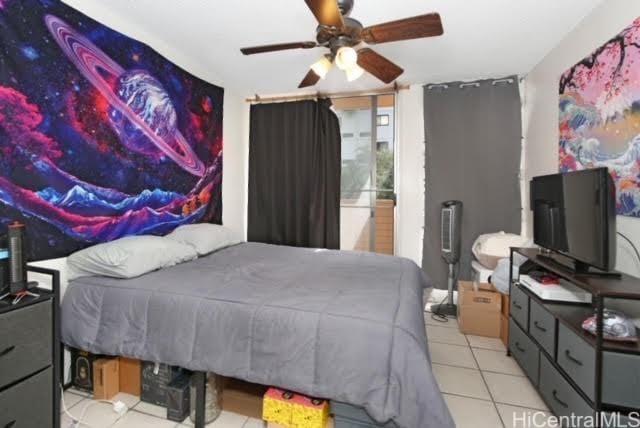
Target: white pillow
x,y
205,237
129,257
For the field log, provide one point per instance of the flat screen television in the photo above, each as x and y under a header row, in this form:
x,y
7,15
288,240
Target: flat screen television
x,y
575,214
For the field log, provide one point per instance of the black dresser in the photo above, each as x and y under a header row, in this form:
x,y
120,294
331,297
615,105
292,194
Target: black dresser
x,y
30,359
575,372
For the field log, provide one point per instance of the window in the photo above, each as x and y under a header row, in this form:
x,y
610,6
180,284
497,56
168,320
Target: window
x,y
383,120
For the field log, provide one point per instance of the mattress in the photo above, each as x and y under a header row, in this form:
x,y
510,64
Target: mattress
x,y
346,326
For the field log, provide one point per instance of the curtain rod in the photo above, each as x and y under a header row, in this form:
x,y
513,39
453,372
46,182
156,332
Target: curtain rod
x,y
475,84
384,91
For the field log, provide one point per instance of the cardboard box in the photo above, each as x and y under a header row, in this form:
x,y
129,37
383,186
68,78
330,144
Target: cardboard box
x,y
106,379
479,310
504,320
243,398
130,376
504,330
82,369
505,304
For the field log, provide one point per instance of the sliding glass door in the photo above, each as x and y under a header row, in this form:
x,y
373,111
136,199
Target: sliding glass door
x,y
367,206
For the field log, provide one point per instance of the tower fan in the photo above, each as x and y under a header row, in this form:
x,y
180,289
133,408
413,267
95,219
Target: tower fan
x,y
450,238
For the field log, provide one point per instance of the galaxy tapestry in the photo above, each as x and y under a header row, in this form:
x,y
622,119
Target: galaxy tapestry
x,y
600,116
100,136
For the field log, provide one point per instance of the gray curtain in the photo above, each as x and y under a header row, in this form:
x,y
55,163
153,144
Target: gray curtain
x,y
473,147
294,174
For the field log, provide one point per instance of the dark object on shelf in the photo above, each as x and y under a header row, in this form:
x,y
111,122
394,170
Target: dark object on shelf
x,y
154,379
30,358
82,369
19,286
451,237
179,398
545,277
617,326
17,258
574,214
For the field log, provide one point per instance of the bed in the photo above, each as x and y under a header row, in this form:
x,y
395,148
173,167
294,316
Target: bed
x,y
347,326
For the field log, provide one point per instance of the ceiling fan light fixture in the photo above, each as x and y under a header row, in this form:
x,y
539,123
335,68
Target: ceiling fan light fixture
x,y
346,58
354,73
322,67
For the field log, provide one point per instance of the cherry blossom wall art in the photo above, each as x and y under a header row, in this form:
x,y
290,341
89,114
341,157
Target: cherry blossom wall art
x,y
600,116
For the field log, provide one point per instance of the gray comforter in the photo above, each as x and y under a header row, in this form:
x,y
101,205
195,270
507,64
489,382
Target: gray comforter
x,y
341,325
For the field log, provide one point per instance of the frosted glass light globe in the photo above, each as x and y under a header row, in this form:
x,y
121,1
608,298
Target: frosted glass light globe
x,y
322,67
346,58
354,73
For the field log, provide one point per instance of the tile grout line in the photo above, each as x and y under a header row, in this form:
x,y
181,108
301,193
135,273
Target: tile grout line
x,y
467,345
486,385
467,397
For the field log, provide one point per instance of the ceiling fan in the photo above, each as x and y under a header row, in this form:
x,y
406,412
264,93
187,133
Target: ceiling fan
x,y
346,38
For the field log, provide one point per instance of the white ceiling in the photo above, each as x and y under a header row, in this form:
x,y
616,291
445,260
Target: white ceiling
x,y
483,38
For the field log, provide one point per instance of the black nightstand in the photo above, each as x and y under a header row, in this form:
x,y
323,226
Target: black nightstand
x,y
30,359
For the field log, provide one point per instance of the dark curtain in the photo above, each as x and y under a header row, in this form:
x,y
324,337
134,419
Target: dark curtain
x,y
473,147
294,174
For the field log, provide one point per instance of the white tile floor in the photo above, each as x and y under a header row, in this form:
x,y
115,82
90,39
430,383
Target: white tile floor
x,y
481,385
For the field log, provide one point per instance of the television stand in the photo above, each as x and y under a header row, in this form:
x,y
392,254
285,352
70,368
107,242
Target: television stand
x,y
581,269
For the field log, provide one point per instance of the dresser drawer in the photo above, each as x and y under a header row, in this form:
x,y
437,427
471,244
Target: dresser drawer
x,y
25,342
28,404
520,306
558,393
542,326
525,351
578,359
621,379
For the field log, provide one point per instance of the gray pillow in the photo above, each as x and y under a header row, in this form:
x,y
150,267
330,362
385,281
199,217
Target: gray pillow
x,y
205,237
129,257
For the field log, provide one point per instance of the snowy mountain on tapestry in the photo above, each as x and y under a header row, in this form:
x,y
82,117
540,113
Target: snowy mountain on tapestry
x,y
600,116
100,137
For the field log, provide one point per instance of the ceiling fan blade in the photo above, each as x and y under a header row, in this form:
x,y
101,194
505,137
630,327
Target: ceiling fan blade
x,y
326,12
405,29
278,47
378,65
309,80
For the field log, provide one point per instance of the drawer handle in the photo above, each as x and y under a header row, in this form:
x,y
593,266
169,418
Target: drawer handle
x,y
10,424
562,403
520,348
571,358
516,305
7,351
539,327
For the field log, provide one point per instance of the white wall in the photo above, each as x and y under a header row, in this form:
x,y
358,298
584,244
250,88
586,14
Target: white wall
x,y
541,105
410,174
235,162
